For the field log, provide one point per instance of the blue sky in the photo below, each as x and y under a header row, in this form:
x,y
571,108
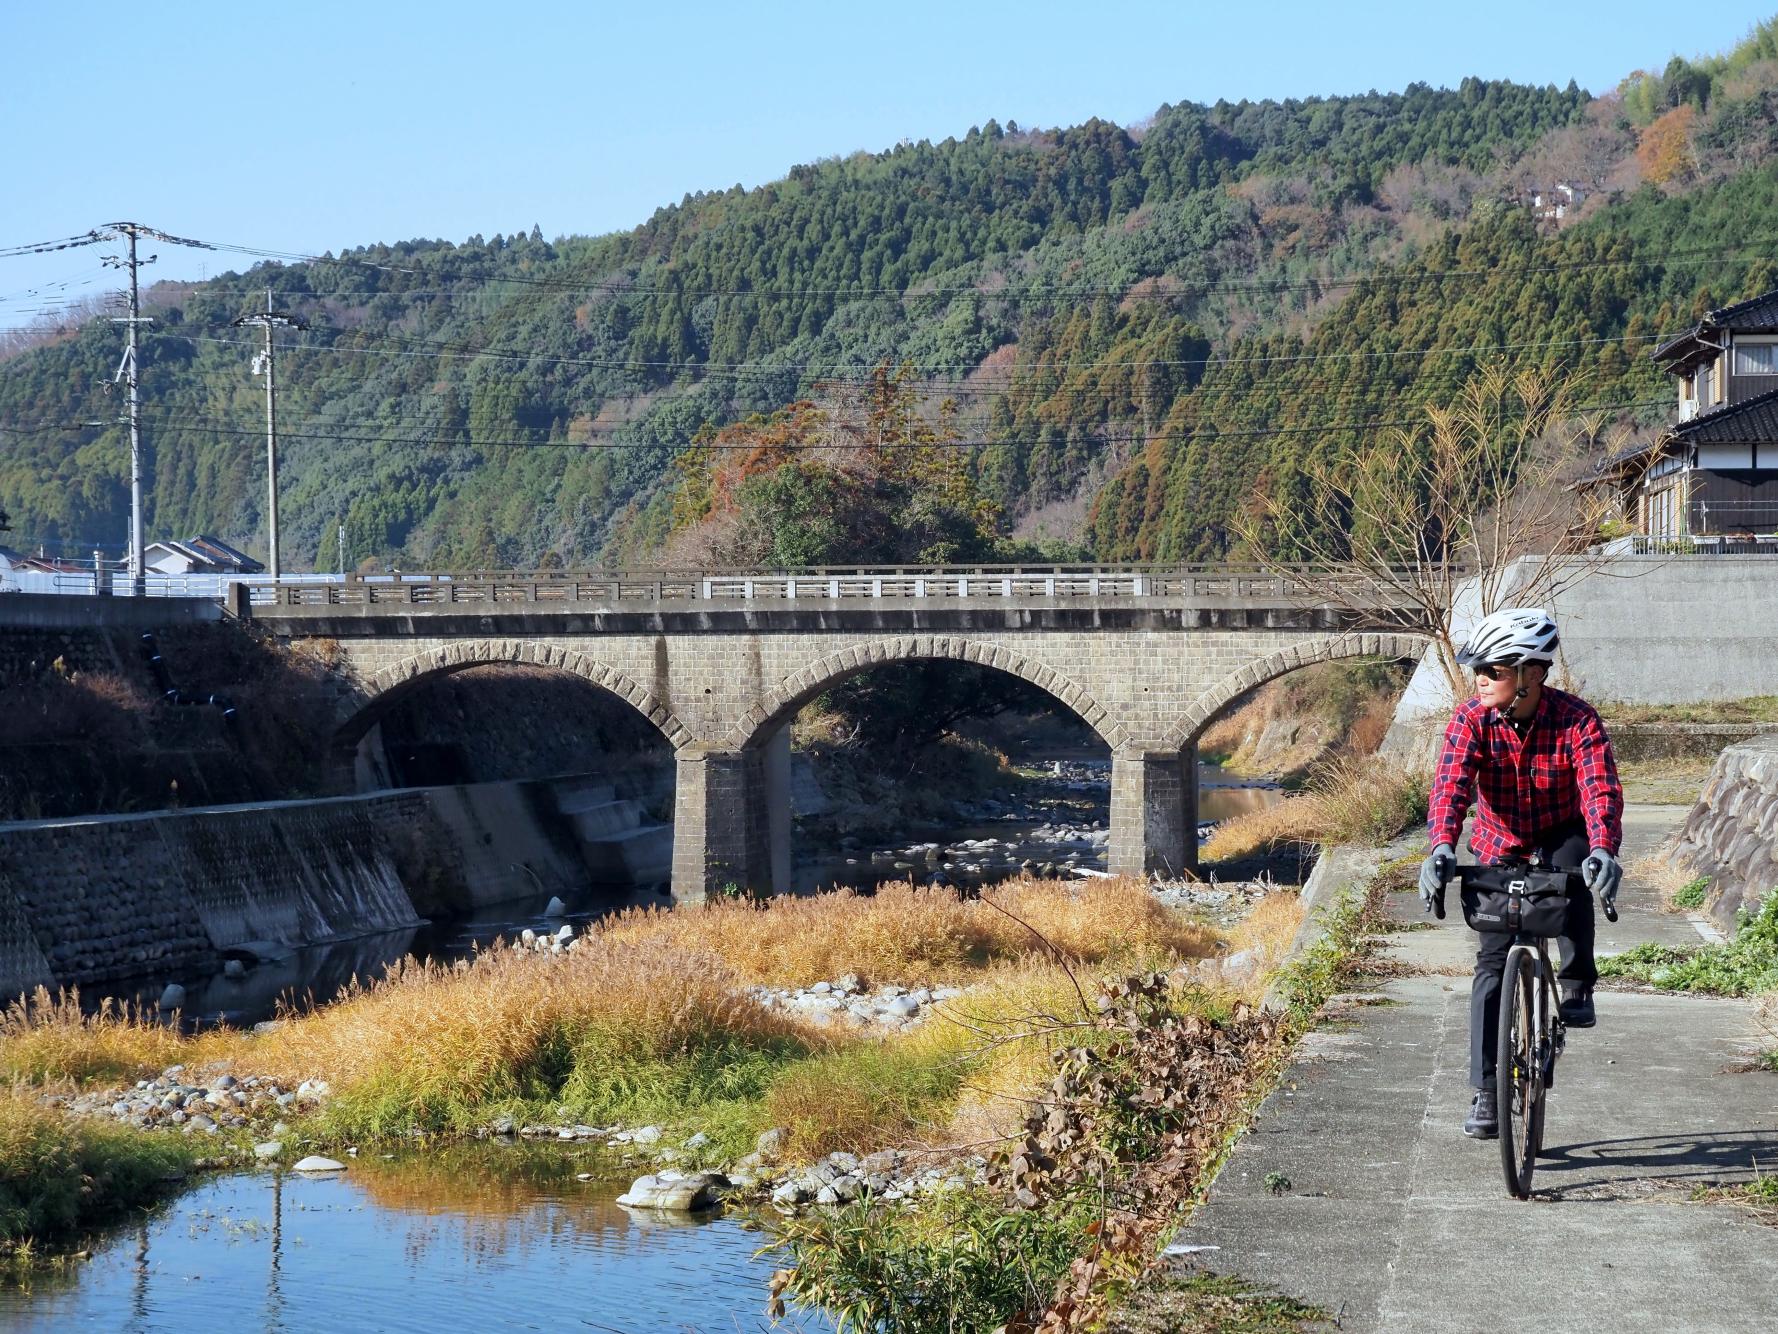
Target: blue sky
x,y
311,126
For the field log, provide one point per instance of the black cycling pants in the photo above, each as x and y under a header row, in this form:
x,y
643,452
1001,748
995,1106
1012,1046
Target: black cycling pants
x,y
1564,848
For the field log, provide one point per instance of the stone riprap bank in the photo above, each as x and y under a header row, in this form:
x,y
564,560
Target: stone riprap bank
x,y
1731,835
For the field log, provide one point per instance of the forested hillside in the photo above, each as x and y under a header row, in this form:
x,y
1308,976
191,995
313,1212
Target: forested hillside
x,y
1096,339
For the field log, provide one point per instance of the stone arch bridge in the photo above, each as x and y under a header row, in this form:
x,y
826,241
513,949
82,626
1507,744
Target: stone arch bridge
x,y
720,663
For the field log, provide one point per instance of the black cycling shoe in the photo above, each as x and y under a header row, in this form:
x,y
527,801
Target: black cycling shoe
x,y
1482,1122
1577,1007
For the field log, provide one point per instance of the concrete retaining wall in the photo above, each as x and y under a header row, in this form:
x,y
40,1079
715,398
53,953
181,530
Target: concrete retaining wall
x,y
1732,833
109,897
53,611
1645,630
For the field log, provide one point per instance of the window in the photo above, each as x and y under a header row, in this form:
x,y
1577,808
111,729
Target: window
x,y
1756,358
1706,394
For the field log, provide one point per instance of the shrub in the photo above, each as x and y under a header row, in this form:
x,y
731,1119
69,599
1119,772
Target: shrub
x,y
961,1262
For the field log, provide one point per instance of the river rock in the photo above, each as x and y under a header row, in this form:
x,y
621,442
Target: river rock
x,y
270,1149
173,998
790,1193
555,908
770,1144
645,1135
564,934
684,1192
902,1007
316,1163
234,968
502,1125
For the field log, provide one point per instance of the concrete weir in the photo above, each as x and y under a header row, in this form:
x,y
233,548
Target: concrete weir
x,y
104,898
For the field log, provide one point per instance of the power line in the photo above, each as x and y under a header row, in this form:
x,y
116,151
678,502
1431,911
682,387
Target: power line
x,y
62,243
198,425
973,382
630,288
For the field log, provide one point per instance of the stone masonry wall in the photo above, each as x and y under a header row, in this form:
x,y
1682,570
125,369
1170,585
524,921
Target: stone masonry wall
x,y
94,900
1142,689
1731,835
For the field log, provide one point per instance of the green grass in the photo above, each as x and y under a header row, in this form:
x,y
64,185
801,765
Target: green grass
x,y
1760,1196
1693,893
60,1177
1747,965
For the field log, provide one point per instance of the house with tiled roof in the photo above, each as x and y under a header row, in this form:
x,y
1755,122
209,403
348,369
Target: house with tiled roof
x,y
198,555
1712,475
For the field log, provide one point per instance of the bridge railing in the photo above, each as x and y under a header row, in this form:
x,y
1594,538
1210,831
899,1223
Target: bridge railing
x,y
828,586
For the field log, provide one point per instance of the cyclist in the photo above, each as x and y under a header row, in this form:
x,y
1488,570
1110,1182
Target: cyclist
x,y
1540,767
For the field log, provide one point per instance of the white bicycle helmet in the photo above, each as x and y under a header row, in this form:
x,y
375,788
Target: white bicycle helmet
x,y
1512,637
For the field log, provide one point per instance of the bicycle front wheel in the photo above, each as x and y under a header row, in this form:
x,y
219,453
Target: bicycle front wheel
x,y
1518,1080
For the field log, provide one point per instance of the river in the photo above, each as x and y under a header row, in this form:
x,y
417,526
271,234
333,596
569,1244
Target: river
x,y
466,1239
483,1236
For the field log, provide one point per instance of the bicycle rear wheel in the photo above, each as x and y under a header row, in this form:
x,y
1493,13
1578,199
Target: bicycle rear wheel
x,y
1518,1080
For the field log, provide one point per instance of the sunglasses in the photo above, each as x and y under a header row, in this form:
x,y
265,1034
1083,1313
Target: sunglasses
x,y
1492,671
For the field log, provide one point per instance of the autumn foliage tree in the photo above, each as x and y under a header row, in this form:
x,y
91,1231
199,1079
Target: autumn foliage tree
x,y
1665,148
872,475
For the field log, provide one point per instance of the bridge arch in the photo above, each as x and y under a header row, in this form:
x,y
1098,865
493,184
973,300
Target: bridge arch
x,y
1205,709
373,696
781,703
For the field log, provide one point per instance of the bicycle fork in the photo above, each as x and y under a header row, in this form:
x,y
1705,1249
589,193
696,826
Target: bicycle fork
x,y
1550,1034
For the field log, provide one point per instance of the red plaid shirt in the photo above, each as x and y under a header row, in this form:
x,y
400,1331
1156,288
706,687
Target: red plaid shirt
x,y
1561,769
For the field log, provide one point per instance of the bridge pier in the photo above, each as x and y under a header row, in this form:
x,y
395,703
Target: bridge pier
x,y
731,820
1154,812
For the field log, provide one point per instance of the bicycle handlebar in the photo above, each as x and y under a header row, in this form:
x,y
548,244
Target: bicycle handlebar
x,y
1445,870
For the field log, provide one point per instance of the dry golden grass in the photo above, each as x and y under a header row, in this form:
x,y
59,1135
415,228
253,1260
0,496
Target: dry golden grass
x,y
650,1016
1353,799
1267,931
47,1037
964,1076
1296,819
908,934
1659,869
512,1026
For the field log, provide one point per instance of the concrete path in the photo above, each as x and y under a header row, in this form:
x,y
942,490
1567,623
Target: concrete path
x,y
1395,1221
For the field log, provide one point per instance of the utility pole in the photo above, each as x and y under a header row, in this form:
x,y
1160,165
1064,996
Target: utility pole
x,y
265,361
127,371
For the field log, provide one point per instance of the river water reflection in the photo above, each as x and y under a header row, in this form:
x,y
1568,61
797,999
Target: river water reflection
x,y
472,1238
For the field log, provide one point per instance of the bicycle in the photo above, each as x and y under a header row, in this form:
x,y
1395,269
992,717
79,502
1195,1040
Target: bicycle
x,y
1531,902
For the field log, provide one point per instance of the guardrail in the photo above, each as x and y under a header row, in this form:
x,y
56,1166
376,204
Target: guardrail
x,y
976,584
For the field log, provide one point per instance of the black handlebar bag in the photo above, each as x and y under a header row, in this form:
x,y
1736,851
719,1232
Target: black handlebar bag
x,y
1516,899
